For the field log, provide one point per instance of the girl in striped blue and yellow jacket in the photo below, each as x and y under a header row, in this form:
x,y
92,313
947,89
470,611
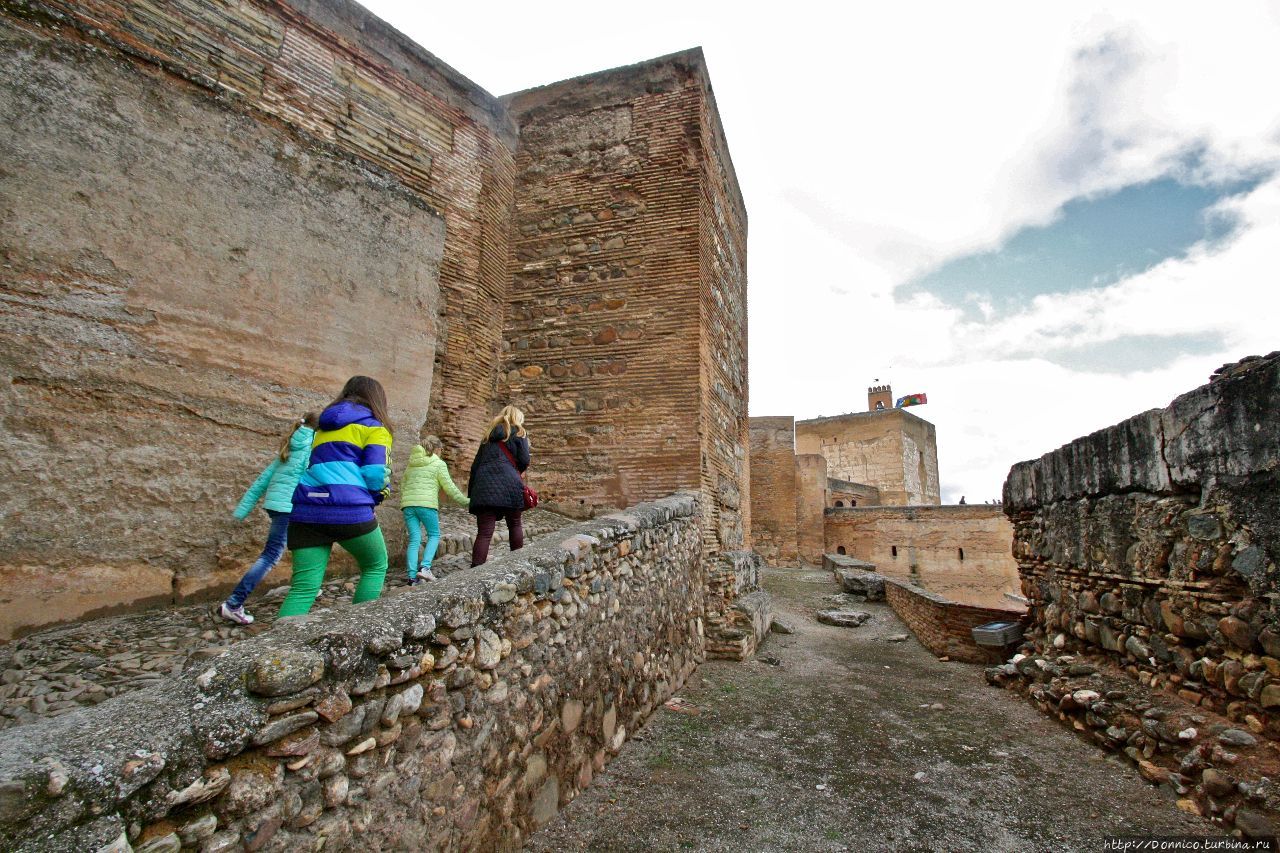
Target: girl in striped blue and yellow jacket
x,y
345,479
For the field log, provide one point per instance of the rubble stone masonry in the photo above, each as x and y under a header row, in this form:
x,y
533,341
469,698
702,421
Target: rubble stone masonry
x,y
1149,553
457,716
774,510
626,332
1157,540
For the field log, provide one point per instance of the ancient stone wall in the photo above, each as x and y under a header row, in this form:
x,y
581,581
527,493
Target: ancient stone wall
x,y
774,479
341,77
892,450
942,626
180,279
811,500
739,613
1156,542
842,493
460,715
1148,551
961,552
626,328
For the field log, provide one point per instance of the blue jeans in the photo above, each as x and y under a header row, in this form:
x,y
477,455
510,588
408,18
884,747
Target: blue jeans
x,y
277,537
416,518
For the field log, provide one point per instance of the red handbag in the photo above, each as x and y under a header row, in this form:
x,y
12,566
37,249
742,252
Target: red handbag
x,y
530,496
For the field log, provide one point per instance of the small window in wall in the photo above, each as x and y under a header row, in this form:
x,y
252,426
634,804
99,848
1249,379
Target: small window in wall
x,y
839,503
961,550
840,550
893,549
853,503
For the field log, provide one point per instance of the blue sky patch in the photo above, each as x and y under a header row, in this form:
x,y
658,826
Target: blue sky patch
x,y
1094,242
1130,353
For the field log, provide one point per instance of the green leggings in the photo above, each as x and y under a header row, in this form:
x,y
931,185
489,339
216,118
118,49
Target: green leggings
x,y
370,551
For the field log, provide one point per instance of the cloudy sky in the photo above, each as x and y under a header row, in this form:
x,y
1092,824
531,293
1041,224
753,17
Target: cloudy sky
x,y
1047,217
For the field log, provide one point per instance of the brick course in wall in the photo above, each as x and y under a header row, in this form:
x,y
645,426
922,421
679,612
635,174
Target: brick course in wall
x,y
626,332
942,626
774,509
333,71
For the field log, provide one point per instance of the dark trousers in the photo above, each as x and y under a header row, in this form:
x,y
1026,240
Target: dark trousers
x,y
486,520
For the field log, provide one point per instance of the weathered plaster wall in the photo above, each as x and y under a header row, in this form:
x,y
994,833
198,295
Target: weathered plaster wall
x,y
811,500
774,509
894,451
456,716
627,327
842,493
929,541
179,279
340,76
1157,541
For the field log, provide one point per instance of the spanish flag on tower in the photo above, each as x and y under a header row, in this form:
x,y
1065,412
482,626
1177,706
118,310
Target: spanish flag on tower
x,y
911,400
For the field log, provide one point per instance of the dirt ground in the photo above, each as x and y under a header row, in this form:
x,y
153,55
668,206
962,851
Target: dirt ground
x,y
839,739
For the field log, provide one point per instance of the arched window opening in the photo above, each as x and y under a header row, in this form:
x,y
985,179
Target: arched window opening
x,y
840,503
853,503
840,550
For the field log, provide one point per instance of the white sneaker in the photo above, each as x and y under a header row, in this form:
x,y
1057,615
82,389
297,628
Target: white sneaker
x,y
238,615
425,575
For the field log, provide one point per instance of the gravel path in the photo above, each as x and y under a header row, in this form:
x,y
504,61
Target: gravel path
x,y
57,670
842,739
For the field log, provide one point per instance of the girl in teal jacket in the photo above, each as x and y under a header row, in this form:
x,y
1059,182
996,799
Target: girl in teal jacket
x,y
420,488
277,481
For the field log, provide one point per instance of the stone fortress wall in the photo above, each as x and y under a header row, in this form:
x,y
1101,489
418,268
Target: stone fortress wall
x,y
842,493
223,210
1149,553
893,450
775,510
812,496
461,715
1156,542
961,552
626,329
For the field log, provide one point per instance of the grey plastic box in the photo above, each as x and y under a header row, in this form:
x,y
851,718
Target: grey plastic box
x,y
997,633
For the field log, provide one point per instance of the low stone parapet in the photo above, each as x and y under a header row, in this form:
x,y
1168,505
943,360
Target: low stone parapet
x,y
942,626
458,715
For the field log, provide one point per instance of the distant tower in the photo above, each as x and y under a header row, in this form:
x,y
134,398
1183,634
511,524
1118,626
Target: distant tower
x,y
879,397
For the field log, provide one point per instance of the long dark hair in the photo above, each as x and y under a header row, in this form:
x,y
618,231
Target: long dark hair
x,y
368,393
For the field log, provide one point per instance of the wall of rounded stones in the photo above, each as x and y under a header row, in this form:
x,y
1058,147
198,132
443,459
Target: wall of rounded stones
x,y
460,715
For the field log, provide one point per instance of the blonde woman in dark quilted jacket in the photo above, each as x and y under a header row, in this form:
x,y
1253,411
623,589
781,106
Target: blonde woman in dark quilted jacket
x,y
495,487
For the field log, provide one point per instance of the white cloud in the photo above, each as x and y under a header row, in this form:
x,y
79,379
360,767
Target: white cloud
x,y
875,141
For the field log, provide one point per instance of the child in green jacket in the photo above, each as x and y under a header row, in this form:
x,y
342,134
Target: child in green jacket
x,y
277,481
420,488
